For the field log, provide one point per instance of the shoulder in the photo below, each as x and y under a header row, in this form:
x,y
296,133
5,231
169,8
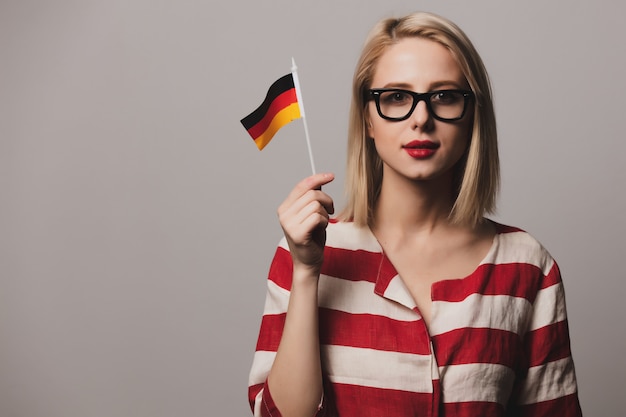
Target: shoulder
x,y
515,245
516,238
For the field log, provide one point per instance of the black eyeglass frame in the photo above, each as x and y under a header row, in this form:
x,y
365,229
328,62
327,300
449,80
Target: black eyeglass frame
x,y
374,94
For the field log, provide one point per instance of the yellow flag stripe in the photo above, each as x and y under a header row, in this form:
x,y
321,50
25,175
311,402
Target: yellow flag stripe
x,y
286,115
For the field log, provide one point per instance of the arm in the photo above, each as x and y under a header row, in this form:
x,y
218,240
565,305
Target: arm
x,y
549,387
295,377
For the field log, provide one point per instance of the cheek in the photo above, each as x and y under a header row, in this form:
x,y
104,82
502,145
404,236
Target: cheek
x,y
456,138
464,131
465,138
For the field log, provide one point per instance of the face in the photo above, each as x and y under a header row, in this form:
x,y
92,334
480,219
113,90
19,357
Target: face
x,y
420,147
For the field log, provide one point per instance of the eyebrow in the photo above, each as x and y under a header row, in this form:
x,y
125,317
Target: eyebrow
x,y
433,86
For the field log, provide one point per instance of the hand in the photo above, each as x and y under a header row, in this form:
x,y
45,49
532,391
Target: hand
x,y
304,216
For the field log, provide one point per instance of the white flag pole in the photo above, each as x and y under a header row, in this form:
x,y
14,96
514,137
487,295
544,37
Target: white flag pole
x,y
296,82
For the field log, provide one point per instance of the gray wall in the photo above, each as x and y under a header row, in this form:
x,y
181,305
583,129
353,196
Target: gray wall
x,y
137,218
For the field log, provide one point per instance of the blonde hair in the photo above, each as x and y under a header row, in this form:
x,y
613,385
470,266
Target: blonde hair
x,y
478,174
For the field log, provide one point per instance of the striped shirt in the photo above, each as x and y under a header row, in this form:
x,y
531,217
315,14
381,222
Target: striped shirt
x,y
497,343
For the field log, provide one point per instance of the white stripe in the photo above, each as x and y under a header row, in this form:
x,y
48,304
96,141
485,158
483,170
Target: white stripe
x,y
277,299
378,369
358,297
549,307
549,381
477,382
520,247
346,235
354,297
501,312
261,366
397,291
258,403
283,244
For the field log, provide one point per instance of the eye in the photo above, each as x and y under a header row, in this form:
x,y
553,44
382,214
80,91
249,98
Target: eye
x,y
396,98
446,97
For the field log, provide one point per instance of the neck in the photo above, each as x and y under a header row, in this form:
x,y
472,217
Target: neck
x,y
407,207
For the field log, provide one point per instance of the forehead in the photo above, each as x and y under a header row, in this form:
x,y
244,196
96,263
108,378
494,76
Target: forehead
x,y
418,63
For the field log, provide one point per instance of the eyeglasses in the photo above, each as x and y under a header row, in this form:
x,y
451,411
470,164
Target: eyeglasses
x,y
396,104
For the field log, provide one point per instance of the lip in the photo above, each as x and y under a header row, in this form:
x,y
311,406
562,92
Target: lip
x,y
420,149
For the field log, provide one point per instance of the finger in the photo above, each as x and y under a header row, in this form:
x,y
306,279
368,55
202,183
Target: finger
x,y
309,183
313,218
303,208
314,195
322,198
326,201
316,222
313,209
290,207
294,219
312,200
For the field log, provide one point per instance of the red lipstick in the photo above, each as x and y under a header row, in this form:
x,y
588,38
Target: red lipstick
x,y
420,149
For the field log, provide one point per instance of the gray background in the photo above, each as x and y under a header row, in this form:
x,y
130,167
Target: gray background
x,y
137,218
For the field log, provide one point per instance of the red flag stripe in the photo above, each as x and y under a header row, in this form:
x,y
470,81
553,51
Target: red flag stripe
x,y
282,101
283,117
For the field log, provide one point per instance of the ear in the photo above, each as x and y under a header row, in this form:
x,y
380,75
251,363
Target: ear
x,y
369,128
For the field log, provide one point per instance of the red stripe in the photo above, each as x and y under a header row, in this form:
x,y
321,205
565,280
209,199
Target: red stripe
x,y
516,280
473,409
253,391
360,401
351,265
271,332
268,408
281,269
553,277
357,330
283,100
563,406
373,332
346,264
548,344
467,345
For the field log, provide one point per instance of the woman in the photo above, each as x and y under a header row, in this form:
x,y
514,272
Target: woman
x,y
411,303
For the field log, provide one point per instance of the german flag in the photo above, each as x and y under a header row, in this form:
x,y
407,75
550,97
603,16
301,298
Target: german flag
x,y
279,108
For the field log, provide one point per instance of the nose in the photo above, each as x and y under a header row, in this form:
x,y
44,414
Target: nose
x,y
421,115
